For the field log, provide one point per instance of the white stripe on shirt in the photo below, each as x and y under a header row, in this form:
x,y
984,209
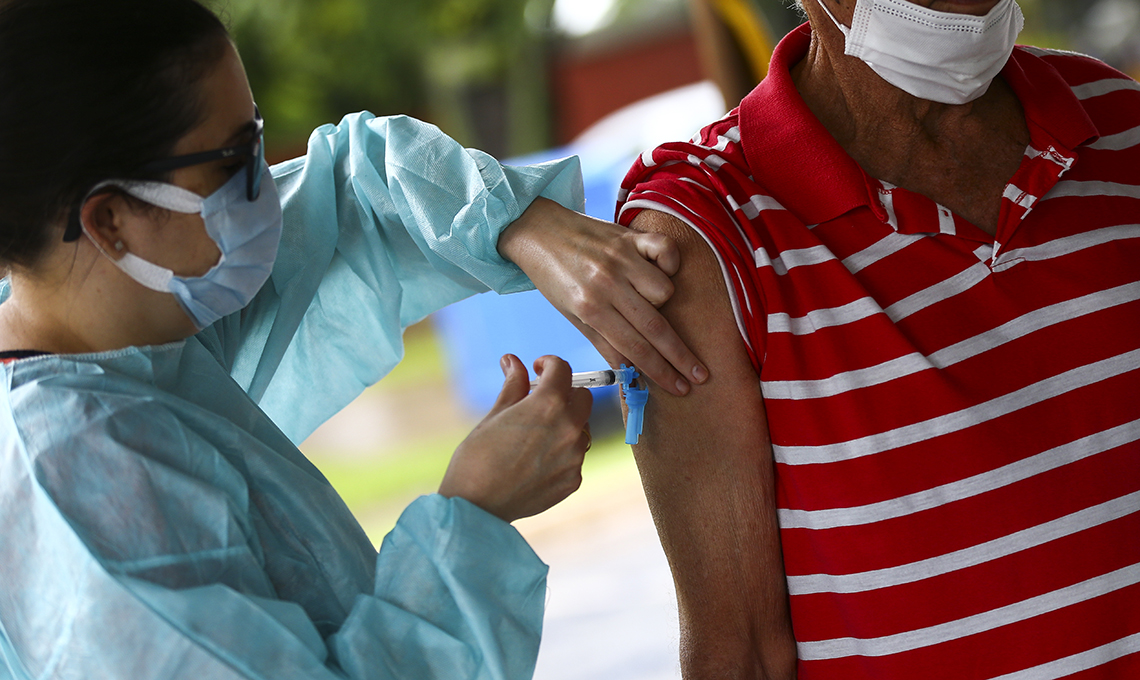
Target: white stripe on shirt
x,y
1076,189
1118,142
731,136
971,625
814,320
782,322
1064,246
963,419
946,221
755,205
939,292
1019,196
1071,665
790,259
968,557
979,344
1098,88
880,250
1055,458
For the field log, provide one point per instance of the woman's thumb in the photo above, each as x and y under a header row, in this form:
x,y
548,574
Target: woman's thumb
x,y
516,383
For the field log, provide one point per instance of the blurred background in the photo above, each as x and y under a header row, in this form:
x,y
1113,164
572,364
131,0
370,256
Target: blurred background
x,y
529,80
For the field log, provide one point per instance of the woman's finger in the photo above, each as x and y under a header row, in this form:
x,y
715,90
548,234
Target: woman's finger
x,y
652,326
516,383
581,403
658,248
640,352
655,348
611,279
643,261
586,441
553,374
609,354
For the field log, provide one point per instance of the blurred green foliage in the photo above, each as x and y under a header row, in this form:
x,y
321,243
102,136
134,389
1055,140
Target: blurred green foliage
x,y
311,61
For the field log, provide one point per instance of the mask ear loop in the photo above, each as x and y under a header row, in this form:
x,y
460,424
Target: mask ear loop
x,y
163,195
842,29
145,273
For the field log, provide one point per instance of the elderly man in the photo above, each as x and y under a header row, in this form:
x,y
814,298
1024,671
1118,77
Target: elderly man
x,y
911,258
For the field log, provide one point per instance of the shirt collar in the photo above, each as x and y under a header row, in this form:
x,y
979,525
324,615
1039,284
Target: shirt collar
x,y
792,154
789,151
1048,100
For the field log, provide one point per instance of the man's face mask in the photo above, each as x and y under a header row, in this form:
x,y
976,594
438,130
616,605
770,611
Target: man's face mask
x,y
940,56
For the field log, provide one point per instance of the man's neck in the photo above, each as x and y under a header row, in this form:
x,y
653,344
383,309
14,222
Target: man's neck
x,y
958,155
863,111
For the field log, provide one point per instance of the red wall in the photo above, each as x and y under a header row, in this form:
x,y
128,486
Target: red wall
x,y
586,87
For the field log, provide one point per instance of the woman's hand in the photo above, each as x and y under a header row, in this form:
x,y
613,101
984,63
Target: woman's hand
x,y
526,455
608,281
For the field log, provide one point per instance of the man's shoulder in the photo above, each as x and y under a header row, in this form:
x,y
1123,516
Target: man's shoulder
x,y
715,146
711,165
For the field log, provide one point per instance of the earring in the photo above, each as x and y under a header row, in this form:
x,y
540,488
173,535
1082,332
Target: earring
x,y
119,246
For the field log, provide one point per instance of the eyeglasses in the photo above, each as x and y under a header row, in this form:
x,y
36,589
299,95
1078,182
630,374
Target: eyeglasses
x,y
253,151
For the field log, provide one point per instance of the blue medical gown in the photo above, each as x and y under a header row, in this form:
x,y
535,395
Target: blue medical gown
x,y
156,517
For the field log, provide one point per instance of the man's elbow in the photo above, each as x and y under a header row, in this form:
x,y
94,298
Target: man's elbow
x,y
738,656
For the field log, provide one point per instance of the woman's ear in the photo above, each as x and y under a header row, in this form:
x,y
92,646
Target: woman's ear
x,y
101,218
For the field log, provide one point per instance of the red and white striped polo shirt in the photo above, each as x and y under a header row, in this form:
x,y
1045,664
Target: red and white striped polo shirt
x,y
955,418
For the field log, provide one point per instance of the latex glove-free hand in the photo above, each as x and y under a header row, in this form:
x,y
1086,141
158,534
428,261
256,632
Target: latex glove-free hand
x,y
526,455
608,281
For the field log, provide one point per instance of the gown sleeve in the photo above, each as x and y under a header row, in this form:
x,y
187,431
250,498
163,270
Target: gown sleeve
x,y
386,220
150,540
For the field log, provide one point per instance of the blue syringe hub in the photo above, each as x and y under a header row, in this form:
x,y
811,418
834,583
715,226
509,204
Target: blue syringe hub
x,y
635,399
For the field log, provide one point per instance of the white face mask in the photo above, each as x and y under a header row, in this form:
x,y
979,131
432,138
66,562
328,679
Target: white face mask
x,y
246,232
940,56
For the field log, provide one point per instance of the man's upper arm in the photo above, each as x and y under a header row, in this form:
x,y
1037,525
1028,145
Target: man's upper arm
x,y
706,465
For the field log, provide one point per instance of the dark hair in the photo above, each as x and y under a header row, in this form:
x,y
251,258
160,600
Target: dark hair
x,y
90,90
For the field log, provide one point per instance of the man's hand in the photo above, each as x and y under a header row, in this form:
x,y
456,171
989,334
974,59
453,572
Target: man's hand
x,y
608,281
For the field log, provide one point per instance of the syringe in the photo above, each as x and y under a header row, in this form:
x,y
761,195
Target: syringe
x,y
635,397
592,379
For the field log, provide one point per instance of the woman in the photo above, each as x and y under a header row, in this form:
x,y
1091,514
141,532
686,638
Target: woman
x,y
168,338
